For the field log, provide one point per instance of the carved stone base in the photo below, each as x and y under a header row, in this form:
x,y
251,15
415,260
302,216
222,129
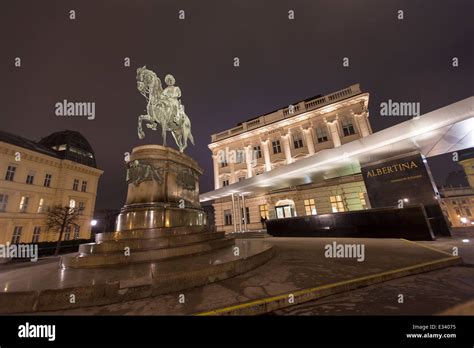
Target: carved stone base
x,y
163,190
156,216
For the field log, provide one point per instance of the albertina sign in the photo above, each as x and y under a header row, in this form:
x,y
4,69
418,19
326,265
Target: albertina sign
x,y
394,168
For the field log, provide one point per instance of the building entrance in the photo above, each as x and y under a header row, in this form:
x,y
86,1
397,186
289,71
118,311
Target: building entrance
x,y
285,209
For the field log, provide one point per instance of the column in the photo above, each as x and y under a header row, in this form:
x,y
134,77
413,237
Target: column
x,y
215,161
234,215
332,127
245,213
309,140
362,123
248,160
286,147
239,211
232,172
266,155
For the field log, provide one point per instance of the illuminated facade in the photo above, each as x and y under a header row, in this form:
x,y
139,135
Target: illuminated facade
x,y
458,202
458,205
34,176
282,137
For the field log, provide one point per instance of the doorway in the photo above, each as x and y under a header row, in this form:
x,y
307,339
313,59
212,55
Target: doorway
x,y
285,209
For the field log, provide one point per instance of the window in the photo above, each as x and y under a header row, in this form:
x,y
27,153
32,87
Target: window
x,y
84,186
245,218
3,202
347,128
41,206
82,207
10,175
17,234
225,182
454,202
263,210
310,207
241,178
47,180
458,212
276,146
463,201
337,203
77,229
240,156
257,151
468,211
75,184
24,204
227,217
224,163
30,178
297,141
363,202
67,233
321,135
36,234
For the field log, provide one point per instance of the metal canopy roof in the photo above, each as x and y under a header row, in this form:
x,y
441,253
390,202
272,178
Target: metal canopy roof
x,y
448,129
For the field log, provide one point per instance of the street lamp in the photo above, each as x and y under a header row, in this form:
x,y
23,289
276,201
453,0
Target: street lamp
x,y
93,222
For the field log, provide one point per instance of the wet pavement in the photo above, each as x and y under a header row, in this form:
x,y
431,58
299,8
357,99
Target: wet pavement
x,y
300,263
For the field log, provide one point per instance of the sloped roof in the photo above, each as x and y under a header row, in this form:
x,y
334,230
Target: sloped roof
x,y
77,148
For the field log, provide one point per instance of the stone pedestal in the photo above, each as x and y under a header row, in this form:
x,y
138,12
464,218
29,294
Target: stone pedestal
x,y
163,190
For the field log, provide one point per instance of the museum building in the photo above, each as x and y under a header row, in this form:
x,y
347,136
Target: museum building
x,y
60,169
320,157
282,137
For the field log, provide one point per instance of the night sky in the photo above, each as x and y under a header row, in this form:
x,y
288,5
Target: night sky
x,y
281,61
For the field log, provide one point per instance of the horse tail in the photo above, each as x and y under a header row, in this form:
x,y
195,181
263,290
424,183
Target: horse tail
x,y
187,127
190,136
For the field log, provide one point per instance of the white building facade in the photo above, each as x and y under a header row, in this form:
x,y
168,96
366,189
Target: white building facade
x,y
280,138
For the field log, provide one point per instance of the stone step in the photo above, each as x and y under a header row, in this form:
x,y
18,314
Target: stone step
x,y
251,234
150,233
110,246
46,287
120,258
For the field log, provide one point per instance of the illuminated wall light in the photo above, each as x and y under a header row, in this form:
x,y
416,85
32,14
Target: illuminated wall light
x,y
463,220
465,240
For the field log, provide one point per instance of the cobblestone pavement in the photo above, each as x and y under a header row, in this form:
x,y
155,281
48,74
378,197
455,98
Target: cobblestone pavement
x,y
299,264
423,294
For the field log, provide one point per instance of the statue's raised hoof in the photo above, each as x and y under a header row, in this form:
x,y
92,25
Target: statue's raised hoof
x,y
141,135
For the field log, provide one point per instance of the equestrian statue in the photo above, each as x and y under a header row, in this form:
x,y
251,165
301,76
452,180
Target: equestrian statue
x,y
163,108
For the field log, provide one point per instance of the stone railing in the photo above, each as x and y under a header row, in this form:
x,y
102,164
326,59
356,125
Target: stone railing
x,y
286,112
450,191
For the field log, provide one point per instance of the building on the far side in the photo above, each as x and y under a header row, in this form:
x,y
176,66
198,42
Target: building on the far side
x,y
60,169
458,202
